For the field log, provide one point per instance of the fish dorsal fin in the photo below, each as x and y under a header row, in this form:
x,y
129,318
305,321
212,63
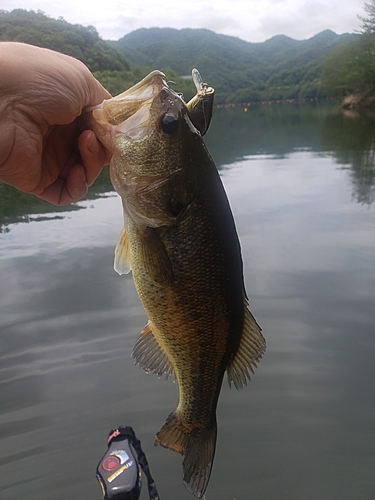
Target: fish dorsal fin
x,y
251,348
122,263
149,355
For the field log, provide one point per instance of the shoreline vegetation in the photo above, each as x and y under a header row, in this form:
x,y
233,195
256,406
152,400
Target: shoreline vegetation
x,y
248,104
357,102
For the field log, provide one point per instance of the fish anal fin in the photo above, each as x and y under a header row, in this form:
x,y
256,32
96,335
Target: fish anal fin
x,y
197,443
122,263
150,356
252,347
155,257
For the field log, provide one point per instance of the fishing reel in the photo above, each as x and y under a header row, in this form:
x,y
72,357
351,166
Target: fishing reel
x,y
118,471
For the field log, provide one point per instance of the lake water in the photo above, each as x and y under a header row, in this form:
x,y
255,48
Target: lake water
x,y
301,184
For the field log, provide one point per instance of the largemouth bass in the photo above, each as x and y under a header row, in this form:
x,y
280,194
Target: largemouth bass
x,y
180,241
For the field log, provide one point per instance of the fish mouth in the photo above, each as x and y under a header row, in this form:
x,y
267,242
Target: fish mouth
x,y
139,111
144,89
133,112
118,109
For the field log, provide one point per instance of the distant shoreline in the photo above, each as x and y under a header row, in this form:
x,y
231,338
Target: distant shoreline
x,y
269,102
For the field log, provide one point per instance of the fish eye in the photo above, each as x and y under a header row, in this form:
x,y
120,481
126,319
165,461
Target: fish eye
x,y
169,123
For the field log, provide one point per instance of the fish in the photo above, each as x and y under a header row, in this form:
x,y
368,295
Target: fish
x,y
180,242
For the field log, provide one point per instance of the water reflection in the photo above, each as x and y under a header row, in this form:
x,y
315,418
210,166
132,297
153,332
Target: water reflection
x,y
16,206
302,429
350,136
276,129
279,129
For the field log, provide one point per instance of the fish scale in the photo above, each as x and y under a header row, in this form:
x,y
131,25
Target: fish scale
x,y
181,243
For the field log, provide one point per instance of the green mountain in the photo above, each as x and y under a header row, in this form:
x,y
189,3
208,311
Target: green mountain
x,y
74,40
277,69
280,68
183,48
109,65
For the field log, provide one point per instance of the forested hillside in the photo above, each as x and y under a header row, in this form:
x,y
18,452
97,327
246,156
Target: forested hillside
x,y
109,65
183,48
280,68
56,34
349,70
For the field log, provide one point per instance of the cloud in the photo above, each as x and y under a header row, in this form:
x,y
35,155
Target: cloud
x,y
251,21
116,27
207,16
218,20
311,17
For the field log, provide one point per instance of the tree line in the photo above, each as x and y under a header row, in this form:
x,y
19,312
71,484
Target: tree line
x,y
350,68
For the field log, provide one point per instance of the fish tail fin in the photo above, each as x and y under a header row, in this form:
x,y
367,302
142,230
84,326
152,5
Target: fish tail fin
x,y
199,457
198,446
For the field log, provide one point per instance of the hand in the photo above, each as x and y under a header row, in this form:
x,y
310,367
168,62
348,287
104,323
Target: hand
x,y
44,149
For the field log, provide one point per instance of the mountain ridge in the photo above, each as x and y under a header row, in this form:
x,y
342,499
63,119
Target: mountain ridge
x,y
232,63
279,68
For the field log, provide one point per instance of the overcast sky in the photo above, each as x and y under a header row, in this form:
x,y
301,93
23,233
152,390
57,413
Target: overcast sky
x,y
251,20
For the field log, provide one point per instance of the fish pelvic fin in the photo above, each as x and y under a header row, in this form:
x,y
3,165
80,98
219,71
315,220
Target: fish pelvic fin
x,y
149,355
122,263
197,443
252,347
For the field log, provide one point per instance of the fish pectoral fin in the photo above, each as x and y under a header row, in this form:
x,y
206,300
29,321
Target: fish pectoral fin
x,y
149,355
252,347
155,257
122,263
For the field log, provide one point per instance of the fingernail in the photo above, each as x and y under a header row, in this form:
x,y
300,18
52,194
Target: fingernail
x,y
93,144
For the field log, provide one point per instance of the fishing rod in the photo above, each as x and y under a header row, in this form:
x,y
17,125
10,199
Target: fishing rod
x,y
118,470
